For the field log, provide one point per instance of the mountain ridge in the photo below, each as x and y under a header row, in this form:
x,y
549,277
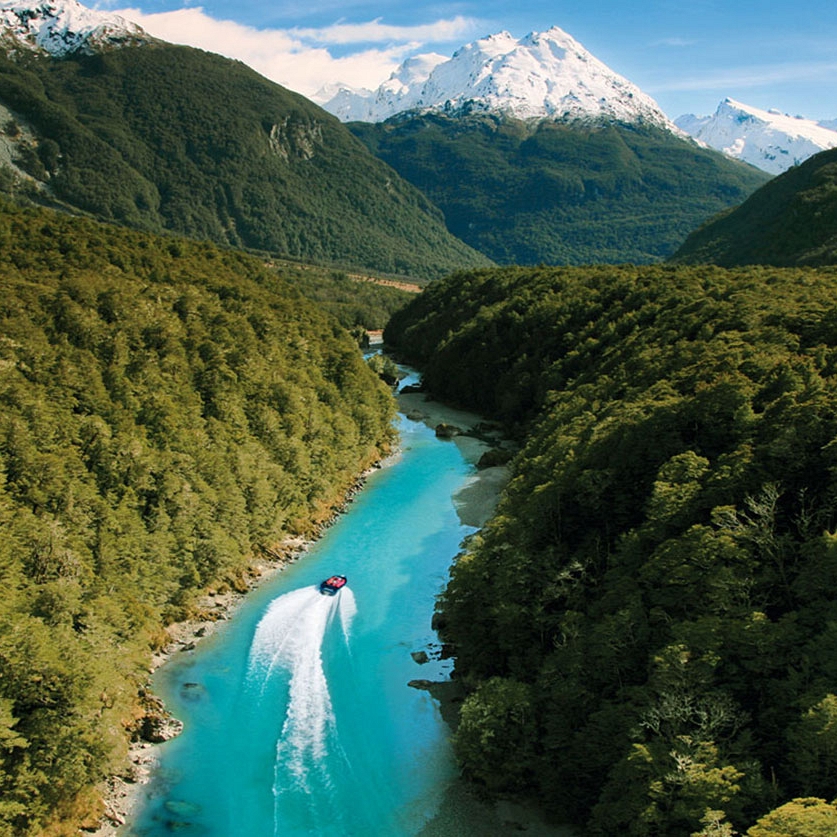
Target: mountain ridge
x,y
62,27
790,221
170,138
767,139
545,75
532,192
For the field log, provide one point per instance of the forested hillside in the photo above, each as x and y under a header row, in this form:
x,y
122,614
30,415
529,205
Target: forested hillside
x,y
360,303
790,221
166,410
554,193
171,138
647,626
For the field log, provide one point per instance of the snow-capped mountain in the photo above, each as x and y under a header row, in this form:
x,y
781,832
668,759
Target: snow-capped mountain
x,y
60,27
544,75
770,140
353,104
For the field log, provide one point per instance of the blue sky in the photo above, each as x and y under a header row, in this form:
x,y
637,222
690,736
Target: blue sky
x,y
687,54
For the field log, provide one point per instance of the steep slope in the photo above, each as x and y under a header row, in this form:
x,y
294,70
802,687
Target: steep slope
x,y
544,75
537,191
770,140
632,623
172,138
536,151
792,220
168,410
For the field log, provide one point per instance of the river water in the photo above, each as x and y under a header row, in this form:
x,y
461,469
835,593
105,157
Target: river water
x,y
299,719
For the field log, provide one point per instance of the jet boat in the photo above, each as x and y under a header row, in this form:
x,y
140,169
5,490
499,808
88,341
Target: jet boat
x,y
331,586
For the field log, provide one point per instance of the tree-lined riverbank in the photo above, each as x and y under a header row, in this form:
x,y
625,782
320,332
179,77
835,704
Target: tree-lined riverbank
x,y
386,743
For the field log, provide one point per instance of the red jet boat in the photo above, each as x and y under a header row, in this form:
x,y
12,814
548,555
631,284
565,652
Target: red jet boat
x,y
332,586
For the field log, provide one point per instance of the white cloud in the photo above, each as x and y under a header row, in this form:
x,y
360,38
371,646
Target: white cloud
x,y
300,59
374,31
674,42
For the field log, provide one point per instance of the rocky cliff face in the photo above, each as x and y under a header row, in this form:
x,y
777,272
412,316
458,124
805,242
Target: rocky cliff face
x,y
294,139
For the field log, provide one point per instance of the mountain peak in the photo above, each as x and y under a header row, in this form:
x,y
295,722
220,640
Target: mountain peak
x,y
768,139
60,27
545,75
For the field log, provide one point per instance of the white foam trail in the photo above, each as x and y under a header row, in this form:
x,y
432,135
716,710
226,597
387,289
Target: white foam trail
x,y
348,609
290,637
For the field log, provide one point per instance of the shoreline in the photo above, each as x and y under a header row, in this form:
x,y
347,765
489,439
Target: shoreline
x,y
123,794
476,500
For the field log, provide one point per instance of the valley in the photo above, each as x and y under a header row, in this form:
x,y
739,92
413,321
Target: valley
x,y
192,257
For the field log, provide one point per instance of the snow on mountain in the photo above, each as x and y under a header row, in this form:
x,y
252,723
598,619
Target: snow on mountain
x,y
360,104
63,26
769,140
544,75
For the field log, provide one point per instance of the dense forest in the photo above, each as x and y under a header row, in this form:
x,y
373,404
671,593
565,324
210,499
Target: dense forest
x,y
167,411
162,137
359,303
647,628
551,193
790,221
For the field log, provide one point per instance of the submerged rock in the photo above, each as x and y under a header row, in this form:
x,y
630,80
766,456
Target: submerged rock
x,y
192,692
182,808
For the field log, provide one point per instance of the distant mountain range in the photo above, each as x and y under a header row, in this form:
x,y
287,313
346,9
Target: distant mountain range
x,y
537,152
97,116
549,75
528,150
791,221
770,140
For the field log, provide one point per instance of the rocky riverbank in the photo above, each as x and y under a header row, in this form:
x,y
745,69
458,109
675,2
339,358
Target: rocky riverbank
x,y
484,445
480,443
474,503
122,794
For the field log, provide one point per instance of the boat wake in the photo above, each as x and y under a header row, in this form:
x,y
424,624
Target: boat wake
x,y
289,640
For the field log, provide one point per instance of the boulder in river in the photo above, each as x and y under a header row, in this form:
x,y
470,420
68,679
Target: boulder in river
x,y
408,389
447,431
494,457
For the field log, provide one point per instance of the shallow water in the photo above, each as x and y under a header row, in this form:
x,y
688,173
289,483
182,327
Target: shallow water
x,y
298,716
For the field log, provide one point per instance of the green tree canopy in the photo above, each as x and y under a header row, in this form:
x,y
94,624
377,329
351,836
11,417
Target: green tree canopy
x,y
168,410
659,575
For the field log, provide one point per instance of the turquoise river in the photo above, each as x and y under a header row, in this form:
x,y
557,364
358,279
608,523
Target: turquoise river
x,y
299,719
